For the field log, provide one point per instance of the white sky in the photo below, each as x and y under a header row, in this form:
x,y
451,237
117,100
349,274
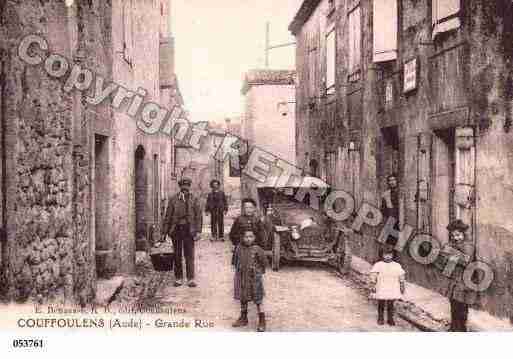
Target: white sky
x,y
217,41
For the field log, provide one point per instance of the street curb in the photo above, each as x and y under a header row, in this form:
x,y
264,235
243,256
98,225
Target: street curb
x,y
106,289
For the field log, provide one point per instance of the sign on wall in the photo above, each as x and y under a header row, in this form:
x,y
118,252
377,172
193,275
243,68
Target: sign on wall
x,y
410,75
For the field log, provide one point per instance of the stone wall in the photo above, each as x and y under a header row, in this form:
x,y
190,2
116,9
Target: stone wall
x,y
48,253
54,183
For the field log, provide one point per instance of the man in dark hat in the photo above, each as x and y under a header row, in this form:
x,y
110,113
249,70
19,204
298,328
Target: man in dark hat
x,y
217,206
183,222
459,295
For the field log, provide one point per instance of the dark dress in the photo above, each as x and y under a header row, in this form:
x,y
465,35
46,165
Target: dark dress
x,y
390,209
460,297
249,263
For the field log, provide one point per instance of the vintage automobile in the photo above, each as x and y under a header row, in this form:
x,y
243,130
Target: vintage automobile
x,y
298,232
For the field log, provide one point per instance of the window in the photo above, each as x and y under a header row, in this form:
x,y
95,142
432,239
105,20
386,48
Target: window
x,y
128,40
314,168
166,62
445,16
330,62
354,40
384,30
453,160
355,110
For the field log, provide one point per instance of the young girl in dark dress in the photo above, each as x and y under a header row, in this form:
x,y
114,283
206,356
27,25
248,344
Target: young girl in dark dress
x,y
249,262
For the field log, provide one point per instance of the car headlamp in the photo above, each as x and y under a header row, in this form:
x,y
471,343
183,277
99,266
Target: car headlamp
x,y
295,233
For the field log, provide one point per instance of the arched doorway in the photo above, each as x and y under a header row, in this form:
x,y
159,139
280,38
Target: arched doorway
x,y
141,188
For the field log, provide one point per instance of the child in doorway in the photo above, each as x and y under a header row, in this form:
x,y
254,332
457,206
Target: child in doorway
x,y
249,262
388,284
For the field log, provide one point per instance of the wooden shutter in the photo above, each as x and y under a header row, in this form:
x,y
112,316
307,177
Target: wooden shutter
x,y
330,59
354,39
166,62
445,15
384,30
313,56
423,195
464,175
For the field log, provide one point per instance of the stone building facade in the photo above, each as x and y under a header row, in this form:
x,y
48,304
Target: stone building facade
x,y
232,180
200,165
269,119
80,183
423,89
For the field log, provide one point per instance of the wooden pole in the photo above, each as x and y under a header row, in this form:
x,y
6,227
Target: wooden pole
x,y
267,45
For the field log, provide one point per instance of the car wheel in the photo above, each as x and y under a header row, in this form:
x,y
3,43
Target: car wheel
x,y
276,252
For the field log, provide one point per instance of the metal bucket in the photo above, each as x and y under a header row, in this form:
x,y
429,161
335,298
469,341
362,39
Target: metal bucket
x,y
162,256
162,262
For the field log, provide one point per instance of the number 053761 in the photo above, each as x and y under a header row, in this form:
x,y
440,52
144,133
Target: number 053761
x,y
27,343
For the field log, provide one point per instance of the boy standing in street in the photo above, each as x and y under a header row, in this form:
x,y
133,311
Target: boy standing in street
x,y
249,262
217,206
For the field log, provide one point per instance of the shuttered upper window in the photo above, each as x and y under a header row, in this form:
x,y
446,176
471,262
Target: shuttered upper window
x,y
384,30
330,61
355,34
313,55
166,62
445,15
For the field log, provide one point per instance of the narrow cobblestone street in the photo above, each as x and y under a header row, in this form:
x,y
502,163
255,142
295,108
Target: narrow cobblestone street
x,y
300,297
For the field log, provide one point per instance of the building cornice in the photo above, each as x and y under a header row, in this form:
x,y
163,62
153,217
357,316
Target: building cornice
x,y
302,15
268,77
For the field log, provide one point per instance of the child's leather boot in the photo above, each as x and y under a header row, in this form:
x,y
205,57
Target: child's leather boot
x,y
261,322
242,321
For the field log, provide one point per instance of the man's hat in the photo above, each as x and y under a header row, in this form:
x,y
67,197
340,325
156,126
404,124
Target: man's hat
x,y
457,225
214,181
185,182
